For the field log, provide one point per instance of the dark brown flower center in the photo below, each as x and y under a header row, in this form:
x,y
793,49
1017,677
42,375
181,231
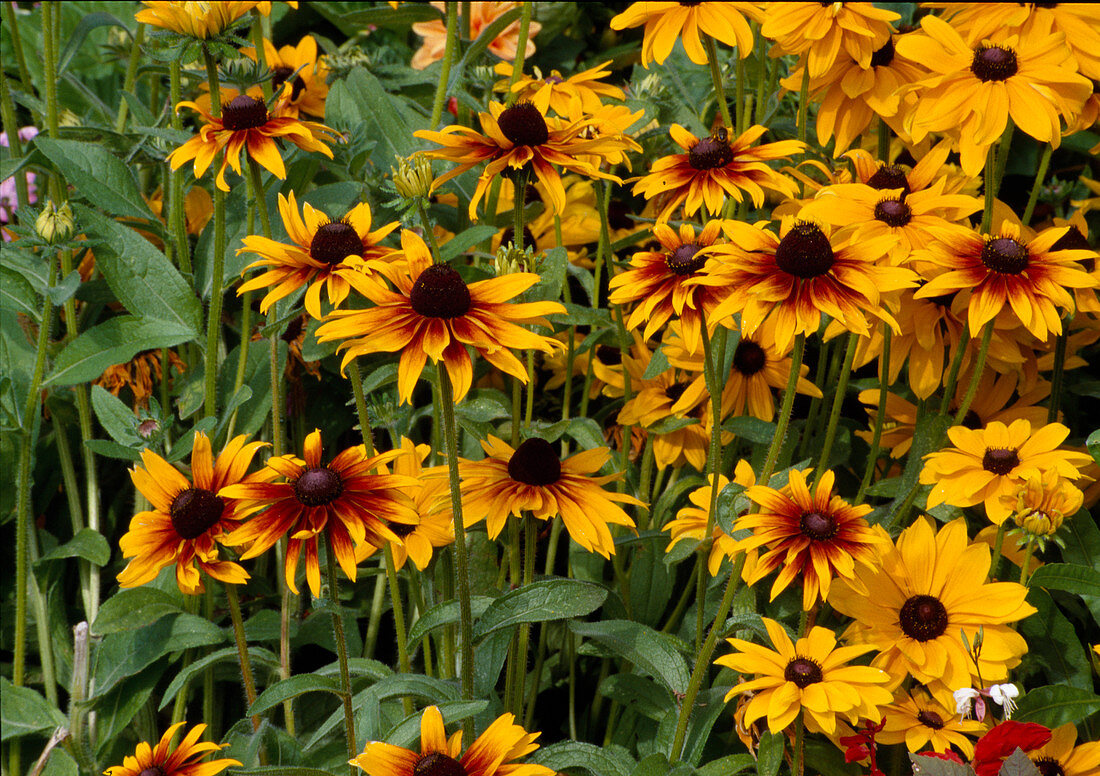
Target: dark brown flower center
x,y
440,292
535,462
805,251
994,63
606,354
401,529
999,460
244,112
509,236
438,764
930,719
1005,255
685,260
803,672
709,153
923,618
675,391
195,511
318,486
279,76
153,770
334,242
817,526
689,4
890,176
524,125
1048,766
749,358
884,55
893,212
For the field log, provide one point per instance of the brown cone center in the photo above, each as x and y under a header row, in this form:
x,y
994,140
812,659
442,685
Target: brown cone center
x,y
438,764
893,212
805,251
1005,255
749,358
709,153
440,292
318,486
279,76
685,260
1000,460
535,462
803,672
923,618
244,112
334,242
817,526
195,511
890,176
994,63
524,125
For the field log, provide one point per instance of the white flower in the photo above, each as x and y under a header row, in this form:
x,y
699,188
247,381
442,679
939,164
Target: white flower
x,y
1002,694
963,700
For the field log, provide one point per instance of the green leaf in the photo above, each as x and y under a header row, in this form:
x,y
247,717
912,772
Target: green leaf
x,y
658,363
133,608
727,766
63,291
103,178
112,342
1093,445
1082,537
651,583
465,240
770,755
542,601
1054,643
17,294
259,656
88,544
638,693
141,276
25,712
292,688
751,429
1056,705
927,437
1068,577
352,18
588,757
551,270
360,99
1018,764
651,652
124,654
926,765
88,22
586,433
445,614
108,449
408,730
117,419
670,424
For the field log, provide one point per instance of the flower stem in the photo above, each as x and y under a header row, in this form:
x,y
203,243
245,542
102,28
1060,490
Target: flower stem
x,y
131,76
998,547
11,129
1057,376
838,401
398,623
714,464
716,77
804,101
785,410
521,51
976,377
1024,566
17,48
1037,186
798,750
702,659
214,314
462,579
448,61
880,413
952,381
361,411
341,648
242,650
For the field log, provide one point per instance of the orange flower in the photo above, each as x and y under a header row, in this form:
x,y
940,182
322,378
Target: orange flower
x,y
482,14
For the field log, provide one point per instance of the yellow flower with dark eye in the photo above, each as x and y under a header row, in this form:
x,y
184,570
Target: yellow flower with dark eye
x,y
246,124
920,718
200,20
665,23
166,760
570,97
821,31
811,677
1063,756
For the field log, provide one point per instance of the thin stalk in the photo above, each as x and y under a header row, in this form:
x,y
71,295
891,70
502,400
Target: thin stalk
x,y
247,678
681,605
1037,186
284,640
341,650
17,47
462,578
998,546
131,76
521,52
540,650
1026,564
214,314
804,101
798,748
880,413
702,658
375,619
976,377
714,461
785,410
208,674
838,401
1058,375
824,350
257,31
739,95
11,128
448,61
716,77
989,188
76,509
530,542
177,224
361,410
952,381
398,623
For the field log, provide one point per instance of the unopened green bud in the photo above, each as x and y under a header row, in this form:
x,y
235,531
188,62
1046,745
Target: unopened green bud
x,y
54,224
413,176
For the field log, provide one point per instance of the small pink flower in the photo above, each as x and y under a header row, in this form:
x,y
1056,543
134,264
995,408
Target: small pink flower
x,y
9,200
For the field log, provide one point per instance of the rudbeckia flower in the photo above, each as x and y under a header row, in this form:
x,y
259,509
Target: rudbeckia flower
x,y
351,498
974,89
323,254
988,463
713,167
822,30
813,535
189,518
810,677
569,98
1031,277
920,718
492,754
533,478
665,23
194,19
517,138
691,522
138,375
921,594
1042,503
245,124
1061,757
164,760
434,313
482,14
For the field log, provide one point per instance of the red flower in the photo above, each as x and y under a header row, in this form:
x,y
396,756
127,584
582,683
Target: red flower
x,y
948,755
1002,740
861,746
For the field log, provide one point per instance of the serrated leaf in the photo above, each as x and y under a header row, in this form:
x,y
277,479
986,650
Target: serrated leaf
x,y
24,712
1056,705
408,730
751,429
103,178
124,654
87,543
117,419
1018,764
112,342
132,609
445,614
292,688
653,653
542,601
258,655
1068,577
588,757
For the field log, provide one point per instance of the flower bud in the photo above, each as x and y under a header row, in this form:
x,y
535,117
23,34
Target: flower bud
x,y
413,176
54,224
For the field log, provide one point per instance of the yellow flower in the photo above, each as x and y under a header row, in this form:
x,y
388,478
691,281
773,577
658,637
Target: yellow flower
x,y
920,718
1043,502
201,20
166,760
811,676
570,97
1060,757
665,23
691,522
822,30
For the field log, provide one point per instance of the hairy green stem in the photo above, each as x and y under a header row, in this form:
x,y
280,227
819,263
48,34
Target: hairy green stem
x,y
714,462
1037,186
838,401
448,61
952,381
17,47
785,410
214,314
131,76
880,413
341,650
521,53
976,376
716,78
1057,377
398,623
15,145
247,679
